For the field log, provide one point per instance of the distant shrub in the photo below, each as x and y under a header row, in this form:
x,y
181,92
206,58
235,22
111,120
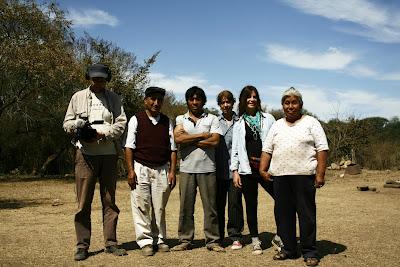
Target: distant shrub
x,y
381,156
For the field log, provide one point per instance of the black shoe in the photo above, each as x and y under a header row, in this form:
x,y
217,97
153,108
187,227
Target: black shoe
x,y
282,255
115,251
81,254
312,261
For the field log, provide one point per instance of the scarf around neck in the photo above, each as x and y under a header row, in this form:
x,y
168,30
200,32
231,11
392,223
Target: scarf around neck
x,y
254,122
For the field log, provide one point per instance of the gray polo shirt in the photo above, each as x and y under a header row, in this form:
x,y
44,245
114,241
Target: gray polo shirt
x,y
194,159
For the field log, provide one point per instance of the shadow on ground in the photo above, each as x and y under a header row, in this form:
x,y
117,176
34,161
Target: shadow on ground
x,y
18,203
201,243
93,253
131,245
197,243
265,238
35,178
326,247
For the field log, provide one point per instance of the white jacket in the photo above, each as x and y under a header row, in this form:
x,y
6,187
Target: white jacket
x,y
239,159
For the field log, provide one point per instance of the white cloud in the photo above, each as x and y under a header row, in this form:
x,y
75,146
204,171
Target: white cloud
x,y
177,84
326,103
180,83
329,103
361,71
316,100
90,17
393,76
332,59
374,21
369,104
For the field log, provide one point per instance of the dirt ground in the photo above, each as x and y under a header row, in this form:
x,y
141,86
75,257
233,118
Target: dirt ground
x,y
354,228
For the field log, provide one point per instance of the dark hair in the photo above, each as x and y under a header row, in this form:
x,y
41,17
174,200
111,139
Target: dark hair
x,y
195,91
244,94
228,95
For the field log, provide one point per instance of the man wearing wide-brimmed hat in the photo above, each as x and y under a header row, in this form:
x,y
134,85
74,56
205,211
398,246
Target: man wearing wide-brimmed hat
x,y
96,118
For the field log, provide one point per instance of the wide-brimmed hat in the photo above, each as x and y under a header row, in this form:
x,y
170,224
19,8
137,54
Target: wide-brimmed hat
x,y
98,71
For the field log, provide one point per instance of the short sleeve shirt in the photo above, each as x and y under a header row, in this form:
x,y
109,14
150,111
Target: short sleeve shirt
x,y
294,147
195,159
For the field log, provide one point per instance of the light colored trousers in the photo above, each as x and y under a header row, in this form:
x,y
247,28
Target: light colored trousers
x,y
148,204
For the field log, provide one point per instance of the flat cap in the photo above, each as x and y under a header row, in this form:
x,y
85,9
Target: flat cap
x,y
154,90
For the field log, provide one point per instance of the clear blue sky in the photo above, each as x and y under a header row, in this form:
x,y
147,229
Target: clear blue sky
x,y
343,55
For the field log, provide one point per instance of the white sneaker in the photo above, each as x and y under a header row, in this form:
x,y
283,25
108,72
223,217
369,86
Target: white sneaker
x,y
256,247
236,245
277,243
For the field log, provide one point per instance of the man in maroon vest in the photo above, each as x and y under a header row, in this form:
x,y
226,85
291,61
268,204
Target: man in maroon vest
x,y
149,147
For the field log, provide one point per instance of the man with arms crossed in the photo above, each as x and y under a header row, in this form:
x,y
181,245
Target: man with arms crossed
x,y
197,132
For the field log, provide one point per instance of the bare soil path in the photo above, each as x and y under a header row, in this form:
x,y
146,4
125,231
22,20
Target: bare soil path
x,y
354,228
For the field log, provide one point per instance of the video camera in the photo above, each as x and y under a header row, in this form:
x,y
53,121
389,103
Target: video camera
x,y
84,130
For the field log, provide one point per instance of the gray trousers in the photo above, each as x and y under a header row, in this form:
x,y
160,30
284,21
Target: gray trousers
x,y
87,170
207,184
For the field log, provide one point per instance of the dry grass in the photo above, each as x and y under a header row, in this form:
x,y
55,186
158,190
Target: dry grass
x,y
354,228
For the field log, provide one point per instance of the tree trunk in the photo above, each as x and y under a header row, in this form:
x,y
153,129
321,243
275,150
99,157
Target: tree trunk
x,y
50,159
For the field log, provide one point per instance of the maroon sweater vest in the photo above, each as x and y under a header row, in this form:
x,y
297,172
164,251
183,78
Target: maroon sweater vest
x,y
153,148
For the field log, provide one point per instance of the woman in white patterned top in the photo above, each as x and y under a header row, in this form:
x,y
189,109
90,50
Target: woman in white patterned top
x,y
295,154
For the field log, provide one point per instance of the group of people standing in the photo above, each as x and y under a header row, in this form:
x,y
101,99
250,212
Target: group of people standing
x,y
224,157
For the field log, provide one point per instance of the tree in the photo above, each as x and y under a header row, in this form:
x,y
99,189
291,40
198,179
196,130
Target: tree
x,y
383,148
277,113
128,77
172,107
348,138
35,44
42,65
38,68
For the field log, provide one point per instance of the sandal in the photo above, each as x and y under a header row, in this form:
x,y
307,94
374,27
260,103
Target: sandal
x,y
311,261
280,256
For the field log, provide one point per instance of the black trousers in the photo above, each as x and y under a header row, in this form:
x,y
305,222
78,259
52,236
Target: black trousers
x,y
296,194
250,193
235,209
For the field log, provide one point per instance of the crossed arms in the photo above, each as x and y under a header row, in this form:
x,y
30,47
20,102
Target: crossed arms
x,y
201,140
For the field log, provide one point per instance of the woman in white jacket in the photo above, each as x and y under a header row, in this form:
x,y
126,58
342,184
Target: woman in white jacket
x,y
248,133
